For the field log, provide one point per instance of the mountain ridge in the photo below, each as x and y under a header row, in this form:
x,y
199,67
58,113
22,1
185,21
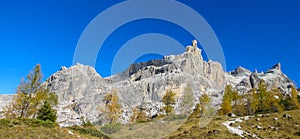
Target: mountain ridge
x,y
81,89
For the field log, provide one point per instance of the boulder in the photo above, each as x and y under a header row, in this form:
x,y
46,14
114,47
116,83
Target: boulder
x,y
231,115
287,116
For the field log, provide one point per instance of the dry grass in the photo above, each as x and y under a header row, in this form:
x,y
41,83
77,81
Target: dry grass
x,y
150,130
30,129
286,128
193,128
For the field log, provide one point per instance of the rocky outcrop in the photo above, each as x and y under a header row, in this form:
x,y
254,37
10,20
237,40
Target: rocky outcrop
x,y
243,80
80,90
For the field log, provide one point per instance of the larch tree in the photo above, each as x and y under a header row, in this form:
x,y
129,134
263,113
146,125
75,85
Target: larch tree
x,y
294,98
266,101
262,98
240,105
204,100
113,106
169,101
229,96
30,96
277,96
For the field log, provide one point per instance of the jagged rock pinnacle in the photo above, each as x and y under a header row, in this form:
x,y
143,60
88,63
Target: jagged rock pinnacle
x,y
194,49
277,66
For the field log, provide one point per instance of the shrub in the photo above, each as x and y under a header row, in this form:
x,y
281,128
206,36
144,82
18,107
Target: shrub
x,y
111,128
38,123
5,122
92,131
28,122
85,123
173,117
47,113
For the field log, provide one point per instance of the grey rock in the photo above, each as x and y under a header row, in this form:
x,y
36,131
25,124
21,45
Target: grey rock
x,y
240,71
4,100
216,131
258,127
243,80
81,90
287,116
232,115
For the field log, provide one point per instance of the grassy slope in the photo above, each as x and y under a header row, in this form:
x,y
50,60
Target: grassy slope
x,y
32,129
149,130
287,128
192,128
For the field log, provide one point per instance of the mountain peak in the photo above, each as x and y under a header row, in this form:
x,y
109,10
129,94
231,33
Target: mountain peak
x,y
240,71
194,48
276,67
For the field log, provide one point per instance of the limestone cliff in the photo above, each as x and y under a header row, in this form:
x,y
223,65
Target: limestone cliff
x,y
81,90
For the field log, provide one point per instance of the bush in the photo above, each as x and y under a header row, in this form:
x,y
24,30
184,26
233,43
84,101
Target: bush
x,y
5,122
47,113
175,117
28,122
111,128
85,123
91,131
38,123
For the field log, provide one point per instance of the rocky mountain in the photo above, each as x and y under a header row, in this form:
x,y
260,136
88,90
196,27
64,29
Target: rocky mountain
x,y
244,80
81,89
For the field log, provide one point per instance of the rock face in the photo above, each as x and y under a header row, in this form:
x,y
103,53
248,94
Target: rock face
x,y
4,100
81,90
243,80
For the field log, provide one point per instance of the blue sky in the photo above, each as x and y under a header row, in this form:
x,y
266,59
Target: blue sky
x,y
255,34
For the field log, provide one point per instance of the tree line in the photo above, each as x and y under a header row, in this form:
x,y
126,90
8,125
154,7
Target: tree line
x,y
259,100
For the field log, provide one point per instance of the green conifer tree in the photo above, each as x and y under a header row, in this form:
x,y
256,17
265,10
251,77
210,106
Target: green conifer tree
x,y
47,113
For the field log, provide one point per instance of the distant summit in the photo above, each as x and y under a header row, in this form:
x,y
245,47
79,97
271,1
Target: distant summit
x,y
243,80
